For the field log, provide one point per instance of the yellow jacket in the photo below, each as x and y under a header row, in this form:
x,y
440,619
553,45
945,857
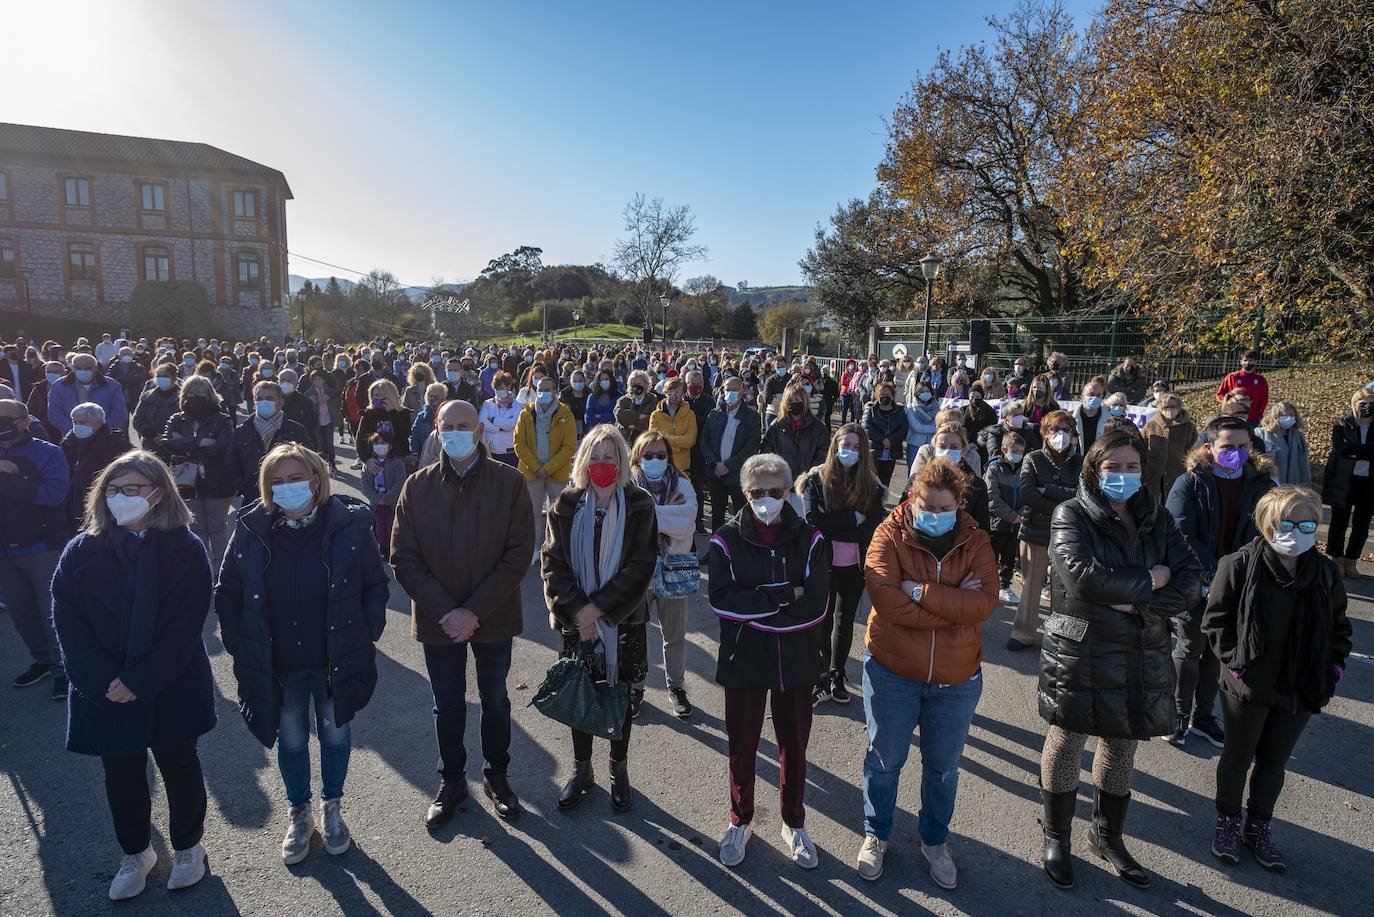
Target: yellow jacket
x,y
562,444
679,430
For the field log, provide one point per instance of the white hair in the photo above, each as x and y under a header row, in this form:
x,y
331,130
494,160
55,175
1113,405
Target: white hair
x,y
88,410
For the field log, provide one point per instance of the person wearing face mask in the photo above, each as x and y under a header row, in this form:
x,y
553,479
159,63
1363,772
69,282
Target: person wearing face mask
x,y
1348,485
424,440
796,435
970,457
1157,393
1276,618
769,577
545,441
499,415
850,409
1019,382
130,374
575,395
1169,437
384,414
977,415
14,371
34,483
730,436
599,556
1039,400
675,508
702,402
937,377
266,427
633,410
1088,414
89,448
85,383
1285,442
676,422
1049,476
159,401
1012,419
130,597
843,499
1249,379
601,403
1122,569
383,488
885,423
197,440
1214,503
324,402
993,389
1061,378
419,379
932,576
301,601
460,547
298,406
921,409
1003,482
1128,380
771,387
52,373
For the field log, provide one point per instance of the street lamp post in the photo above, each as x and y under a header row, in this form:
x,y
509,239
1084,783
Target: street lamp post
x,y
930,269
663,301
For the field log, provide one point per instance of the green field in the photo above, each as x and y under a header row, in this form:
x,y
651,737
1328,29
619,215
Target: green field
x,y
606,331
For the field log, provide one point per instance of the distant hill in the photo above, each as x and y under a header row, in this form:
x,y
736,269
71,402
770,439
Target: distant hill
x,y
767,296
416,294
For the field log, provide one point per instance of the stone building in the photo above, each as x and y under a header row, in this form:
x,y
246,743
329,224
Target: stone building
x,y
84,218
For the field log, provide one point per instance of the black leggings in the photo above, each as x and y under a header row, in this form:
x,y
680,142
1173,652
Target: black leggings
x,y
846,588
1004,546
1197,667
582,744
325,438
1358,509
1264,736
885,467
126,788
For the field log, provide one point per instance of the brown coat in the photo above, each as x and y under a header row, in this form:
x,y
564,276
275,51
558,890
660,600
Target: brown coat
x,y
623,599
1166,450
938,641
464,542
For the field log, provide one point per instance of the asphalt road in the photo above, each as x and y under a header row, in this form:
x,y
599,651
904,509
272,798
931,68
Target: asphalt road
x,y
58,853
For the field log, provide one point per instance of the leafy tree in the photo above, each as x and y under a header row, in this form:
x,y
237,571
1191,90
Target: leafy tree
x,y
743,325
778,317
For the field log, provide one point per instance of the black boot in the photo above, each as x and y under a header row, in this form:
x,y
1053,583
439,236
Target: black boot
x,y
1104,837
577,786
1057,821
621,794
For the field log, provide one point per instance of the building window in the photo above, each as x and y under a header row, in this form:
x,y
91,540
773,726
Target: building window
x,y
154,197
4,188
248,271
245,205
81,260
8,266
78,192
157,265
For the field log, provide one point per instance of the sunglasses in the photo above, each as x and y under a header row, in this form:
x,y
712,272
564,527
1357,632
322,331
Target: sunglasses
x,y
655,455
777,493
1287,525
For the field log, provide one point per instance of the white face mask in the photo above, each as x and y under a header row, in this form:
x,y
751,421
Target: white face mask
x,y
766,509
127,509
1294,543
1059,441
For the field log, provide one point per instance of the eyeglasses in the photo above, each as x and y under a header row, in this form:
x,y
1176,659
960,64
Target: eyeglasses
x,y
777,493
1287,525
655,455
128,490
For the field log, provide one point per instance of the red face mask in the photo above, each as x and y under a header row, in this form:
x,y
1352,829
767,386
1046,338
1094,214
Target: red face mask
x,y
603,474
694,390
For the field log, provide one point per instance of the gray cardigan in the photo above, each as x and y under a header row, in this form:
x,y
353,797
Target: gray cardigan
x,y
1289,452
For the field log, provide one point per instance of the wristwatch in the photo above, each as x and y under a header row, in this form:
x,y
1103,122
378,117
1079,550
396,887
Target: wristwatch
x,y
916,593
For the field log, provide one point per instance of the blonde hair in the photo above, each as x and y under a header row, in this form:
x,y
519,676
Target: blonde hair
x,y
169,513
420,374
1276,410
1279,502
1116,398
436,388
284,453
595,437
1361,394
948,416
391,399
951,429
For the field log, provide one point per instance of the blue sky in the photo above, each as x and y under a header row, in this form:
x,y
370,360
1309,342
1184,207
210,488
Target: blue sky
x,y
427,138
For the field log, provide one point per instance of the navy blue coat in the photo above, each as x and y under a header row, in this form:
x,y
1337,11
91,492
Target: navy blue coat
x,y
133,609
358,590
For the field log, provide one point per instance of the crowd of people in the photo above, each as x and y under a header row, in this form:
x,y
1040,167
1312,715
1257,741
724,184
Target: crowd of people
x,y
144,483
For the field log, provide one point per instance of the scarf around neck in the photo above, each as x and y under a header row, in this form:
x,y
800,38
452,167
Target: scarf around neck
x,y
591,574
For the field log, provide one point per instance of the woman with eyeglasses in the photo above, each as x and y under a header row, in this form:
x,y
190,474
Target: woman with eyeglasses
x,y
130,597
769,575
1276,618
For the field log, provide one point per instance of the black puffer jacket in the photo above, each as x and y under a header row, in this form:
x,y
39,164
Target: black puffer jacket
x,y
1105,672
769,636
1196,507
182,441
802,449
1045,485
883,425
1346,450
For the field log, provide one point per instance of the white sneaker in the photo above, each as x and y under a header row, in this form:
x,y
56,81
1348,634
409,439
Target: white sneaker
x,y
942,868
871,854
733,844
337,837
188,868
1009,597
296,844
133,875
799,844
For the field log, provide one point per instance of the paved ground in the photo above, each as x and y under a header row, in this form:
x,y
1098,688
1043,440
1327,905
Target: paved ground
x,y
58,854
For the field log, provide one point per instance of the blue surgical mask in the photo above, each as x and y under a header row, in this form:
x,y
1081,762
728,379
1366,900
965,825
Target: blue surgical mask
x,y
1116,410
84,375
545,399
452,376
82,431
578,387
54,378
164,382
1092,402
266,372
605,385
266,409
654,468
936,524
288,387
1120,485
952,455
458,444
925,396
1288,421
848,457
781,370
292,497
731,397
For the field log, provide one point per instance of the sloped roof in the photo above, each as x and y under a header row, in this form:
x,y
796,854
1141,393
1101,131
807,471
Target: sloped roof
x,y
85,145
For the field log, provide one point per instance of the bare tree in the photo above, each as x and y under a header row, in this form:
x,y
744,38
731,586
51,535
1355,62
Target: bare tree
x,y
658,242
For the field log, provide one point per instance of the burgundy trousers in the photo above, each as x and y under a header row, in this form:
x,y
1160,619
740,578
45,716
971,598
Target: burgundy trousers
x,y
744,709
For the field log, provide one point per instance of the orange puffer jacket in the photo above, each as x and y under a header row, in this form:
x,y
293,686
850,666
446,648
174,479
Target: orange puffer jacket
x,y
938,641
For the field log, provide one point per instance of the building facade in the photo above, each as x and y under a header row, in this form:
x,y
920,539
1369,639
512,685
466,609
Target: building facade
x,y
85,218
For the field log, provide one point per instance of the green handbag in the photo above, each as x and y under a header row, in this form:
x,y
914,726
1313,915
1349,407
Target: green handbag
x,y
574,698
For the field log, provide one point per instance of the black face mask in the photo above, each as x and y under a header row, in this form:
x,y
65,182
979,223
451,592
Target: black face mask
x,y
9,431
198,406
885,401
637,389
1366,409
795,408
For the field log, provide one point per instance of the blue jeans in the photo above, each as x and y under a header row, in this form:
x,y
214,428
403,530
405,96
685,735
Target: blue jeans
x,y
448,677
301,690
894,706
